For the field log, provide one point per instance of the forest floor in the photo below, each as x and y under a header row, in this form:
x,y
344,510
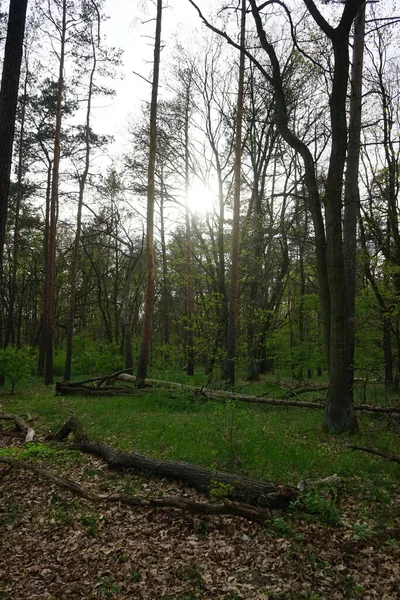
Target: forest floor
x,y
339,542
56,546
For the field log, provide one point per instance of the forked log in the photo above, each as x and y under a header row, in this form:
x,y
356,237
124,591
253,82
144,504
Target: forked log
x,y
261,494
199,508
20,426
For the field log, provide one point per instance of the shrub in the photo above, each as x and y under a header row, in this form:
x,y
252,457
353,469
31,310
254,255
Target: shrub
x,y
16,364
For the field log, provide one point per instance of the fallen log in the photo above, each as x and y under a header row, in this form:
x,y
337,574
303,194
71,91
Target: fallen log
x,y
235,487
101,387
199,508
20,425
64,389
390,457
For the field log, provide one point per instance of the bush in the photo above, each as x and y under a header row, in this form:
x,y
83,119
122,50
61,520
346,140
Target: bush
x,y
16,364
91,357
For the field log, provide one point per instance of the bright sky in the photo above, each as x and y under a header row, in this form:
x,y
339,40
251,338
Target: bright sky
x,y
125,29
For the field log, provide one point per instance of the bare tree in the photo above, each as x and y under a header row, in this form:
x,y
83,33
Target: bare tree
x,y
229,368
149,298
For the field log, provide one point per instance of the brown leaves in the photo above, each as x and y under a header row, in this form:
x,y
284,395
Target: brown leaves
x,y
56,546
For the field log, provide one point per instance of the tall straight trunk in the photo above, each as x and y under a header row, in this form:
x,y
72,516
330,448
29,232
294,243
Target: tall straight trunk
x,y
149,298
188,235
75,251
51,252
125,321
352,194
8,106
164,286
339,412
42,333
10,325
229,367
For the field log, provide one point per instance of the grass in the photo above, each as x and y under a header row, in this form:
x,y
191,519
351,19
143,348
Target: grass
x,y
270,442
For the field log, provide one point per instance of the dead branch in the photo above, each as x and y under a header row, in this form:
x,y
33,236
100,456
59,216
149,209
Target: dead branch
x,y
200,508
390,457
20,425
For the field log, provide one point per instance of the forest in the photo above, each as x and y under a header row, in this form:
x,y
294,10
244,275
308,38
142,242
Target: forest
x,y
200,315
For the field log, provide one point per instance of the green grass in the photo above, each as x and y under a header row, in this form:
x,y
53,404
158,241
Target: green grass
x,y
279,444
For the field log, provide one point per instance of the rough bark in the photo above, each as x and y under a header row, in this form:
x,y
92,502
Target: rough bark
x,y
229,367
238,487
51,251
149,298
352,194
198,508
8,107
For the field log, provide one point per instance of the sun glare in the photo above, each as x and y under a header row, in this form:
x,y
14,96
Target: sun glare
x,y
201,199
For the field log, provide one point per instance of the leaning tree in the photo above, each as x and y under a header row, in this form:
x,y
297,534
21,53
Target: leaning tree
x,y
339,412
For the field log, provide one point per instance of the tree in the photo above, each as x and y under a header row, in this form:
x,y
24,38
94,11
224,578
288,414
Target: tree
x,y
339,412
149,298
8,106
48,321
91,56
229,370
351,192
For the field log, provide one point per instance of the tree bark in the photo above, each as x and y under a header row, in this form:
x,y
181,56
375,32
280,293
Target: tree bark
x,y
352,194
52,233
238,487
149,298
229,368
198,508
8,106
10,336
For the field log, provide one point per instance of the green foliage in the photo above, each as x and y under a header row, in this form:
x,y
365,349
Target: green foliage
x,y
317,506
29,451
280,528
91,523
107,587
220,492
90,357
16,364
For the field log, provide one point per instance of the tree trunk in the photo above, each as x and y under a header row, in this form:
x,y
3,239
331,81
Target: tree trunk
x,y
149,298
188,235
339,413
238,487
82,185
229,368
352,194
9,337
51,252
8,107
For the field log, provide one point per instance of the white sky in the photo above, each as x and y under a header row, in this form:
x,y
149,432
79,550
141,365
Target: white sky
x,y
125,29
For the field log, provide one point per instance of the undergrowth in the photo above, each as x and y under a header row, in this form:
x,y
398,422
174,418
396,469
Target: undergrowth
x,y
283,445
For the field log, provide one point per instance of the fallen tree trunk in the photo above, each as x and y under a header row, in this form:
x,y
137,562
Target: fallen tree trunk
x,y
20,426
235,487
105,387
199,508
